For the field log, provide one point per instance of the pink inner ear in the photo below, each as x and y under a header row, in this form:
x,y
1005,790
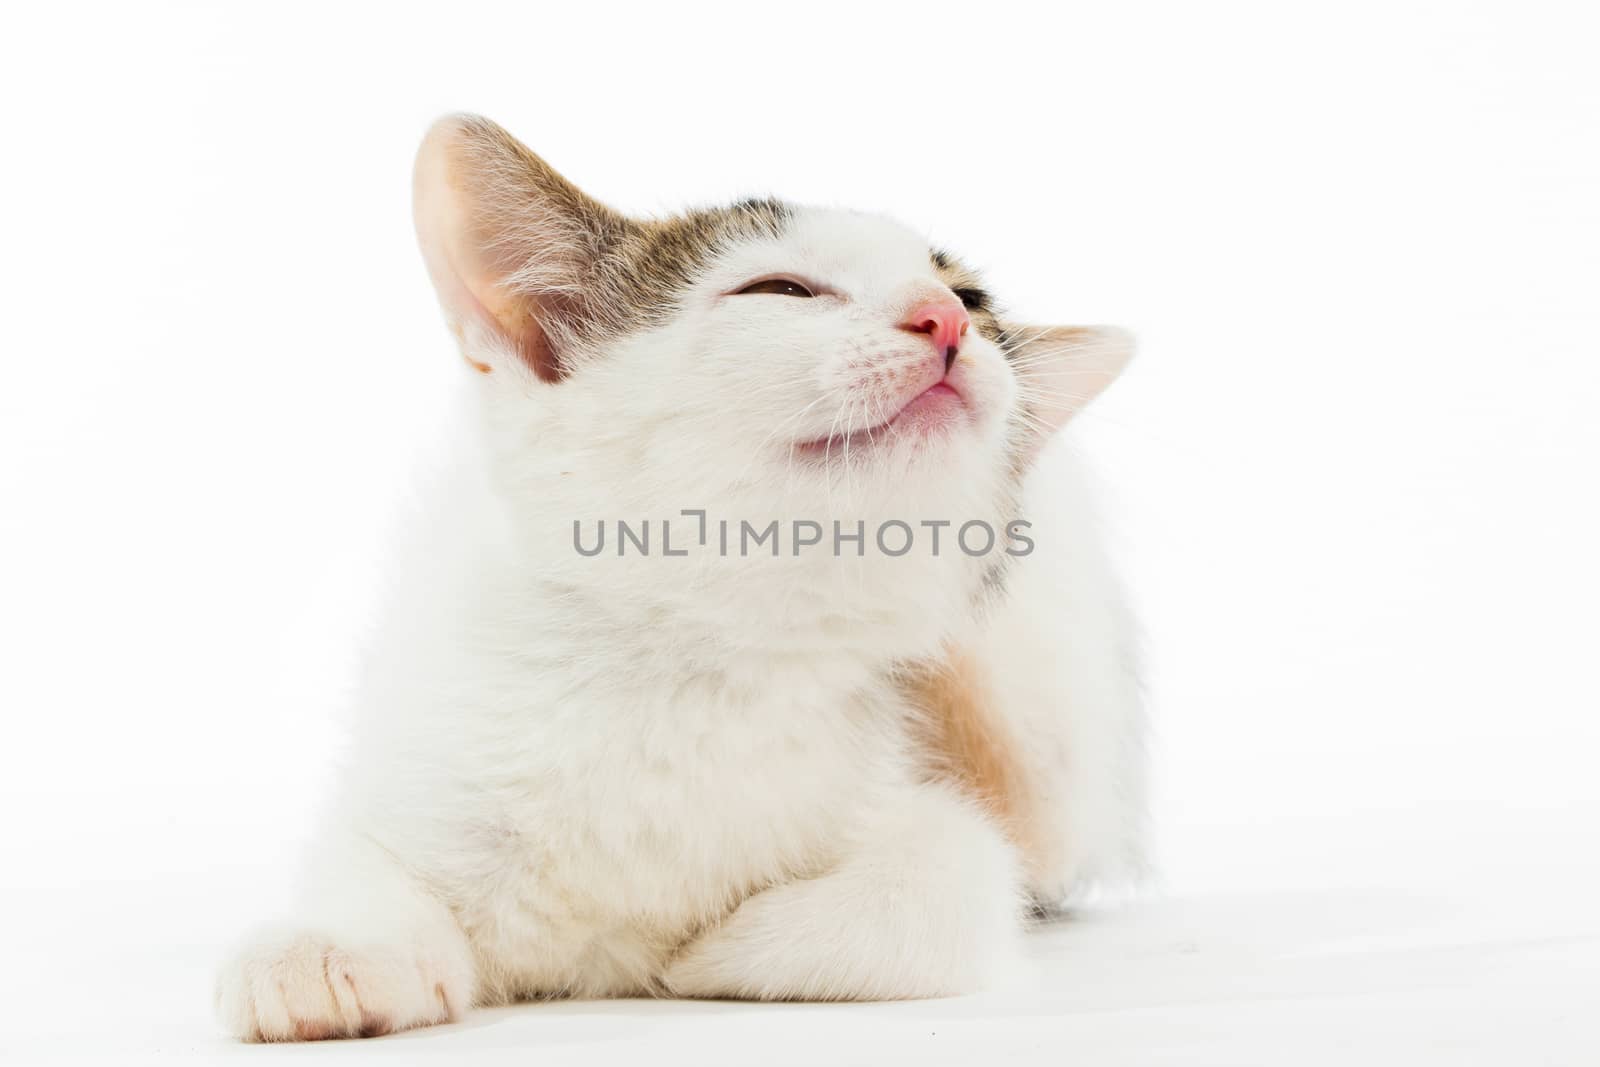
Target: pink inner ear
x,y
1063,368
512,318
467,172
516,320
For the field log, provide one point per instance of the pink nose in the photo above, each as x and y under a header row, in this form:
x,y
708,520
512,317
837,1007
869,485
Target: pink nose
x,y
945,322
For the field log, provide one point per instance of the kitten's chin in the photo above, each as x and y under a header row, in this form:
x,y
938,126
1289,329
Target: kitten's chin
x,y
938,413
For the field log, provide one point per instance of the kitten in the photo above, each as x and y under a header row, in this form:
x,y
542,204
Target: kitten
x,y
816,768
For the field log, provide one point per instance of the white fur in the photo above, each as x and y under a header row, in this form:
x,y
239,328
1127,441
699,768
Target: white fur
x,y
694,775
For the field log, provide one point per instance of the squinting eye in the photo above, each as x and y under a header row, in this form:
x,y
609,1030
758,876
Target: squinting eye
x,y
778,286
973,299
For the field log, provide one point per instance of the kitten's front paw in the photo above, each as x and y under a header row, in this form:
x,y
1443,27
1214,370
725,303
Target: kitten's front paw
x,y
304,987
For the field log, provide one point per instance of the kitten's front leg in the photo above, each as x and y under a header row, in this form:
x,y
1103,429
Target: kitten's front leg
x,y
924,902
368,952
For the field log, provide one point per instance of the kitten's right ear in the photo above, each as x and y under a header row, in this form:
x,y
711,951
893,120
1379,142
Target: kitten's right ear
x,y
1060,369
510,244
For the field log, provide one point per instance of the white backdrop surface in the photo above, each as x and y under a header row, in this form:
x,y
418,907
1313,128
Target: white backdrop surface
x,y
1354,474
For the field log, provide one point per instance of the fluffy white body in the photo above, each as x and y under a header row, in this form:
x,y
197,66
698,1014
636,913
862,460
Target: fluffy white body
x,y
699,775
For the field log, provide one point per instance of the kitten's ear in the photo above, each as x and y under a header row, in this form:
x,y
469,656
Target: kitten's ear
x,y
1062,368
510,244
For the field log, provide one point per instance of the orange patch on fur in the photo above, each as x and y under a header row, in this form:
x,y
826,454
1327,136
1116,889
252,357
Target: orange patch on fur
x,y
966,741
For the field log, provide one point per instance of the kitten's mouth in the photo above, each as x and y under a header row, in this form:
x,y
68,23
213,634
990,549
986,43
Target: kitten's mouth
x,y
939,406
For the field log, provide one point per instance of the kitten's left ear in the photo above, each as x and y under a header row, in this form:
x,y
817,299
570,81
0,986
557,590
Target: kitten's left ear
x,y
1061,368
512,247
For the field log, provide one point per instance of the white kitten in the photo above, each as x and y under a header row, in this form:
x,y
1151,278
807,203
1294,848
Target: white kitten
x,y
808,765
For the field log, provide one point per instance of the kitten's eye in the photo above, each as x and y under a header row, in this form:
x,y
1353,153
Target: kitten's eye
x,y
777,286
973,299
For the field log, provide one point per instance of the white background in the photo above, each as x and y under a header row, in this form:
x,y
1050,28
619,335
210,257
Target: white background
x,y
1354,471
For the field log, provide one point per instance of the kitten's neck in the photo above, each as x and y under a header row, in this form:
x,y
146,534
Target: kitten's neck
x,y
490,573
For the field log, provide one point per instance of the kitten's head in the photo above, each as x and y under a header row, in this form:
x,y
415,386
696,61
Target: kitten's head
x,y
760,361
